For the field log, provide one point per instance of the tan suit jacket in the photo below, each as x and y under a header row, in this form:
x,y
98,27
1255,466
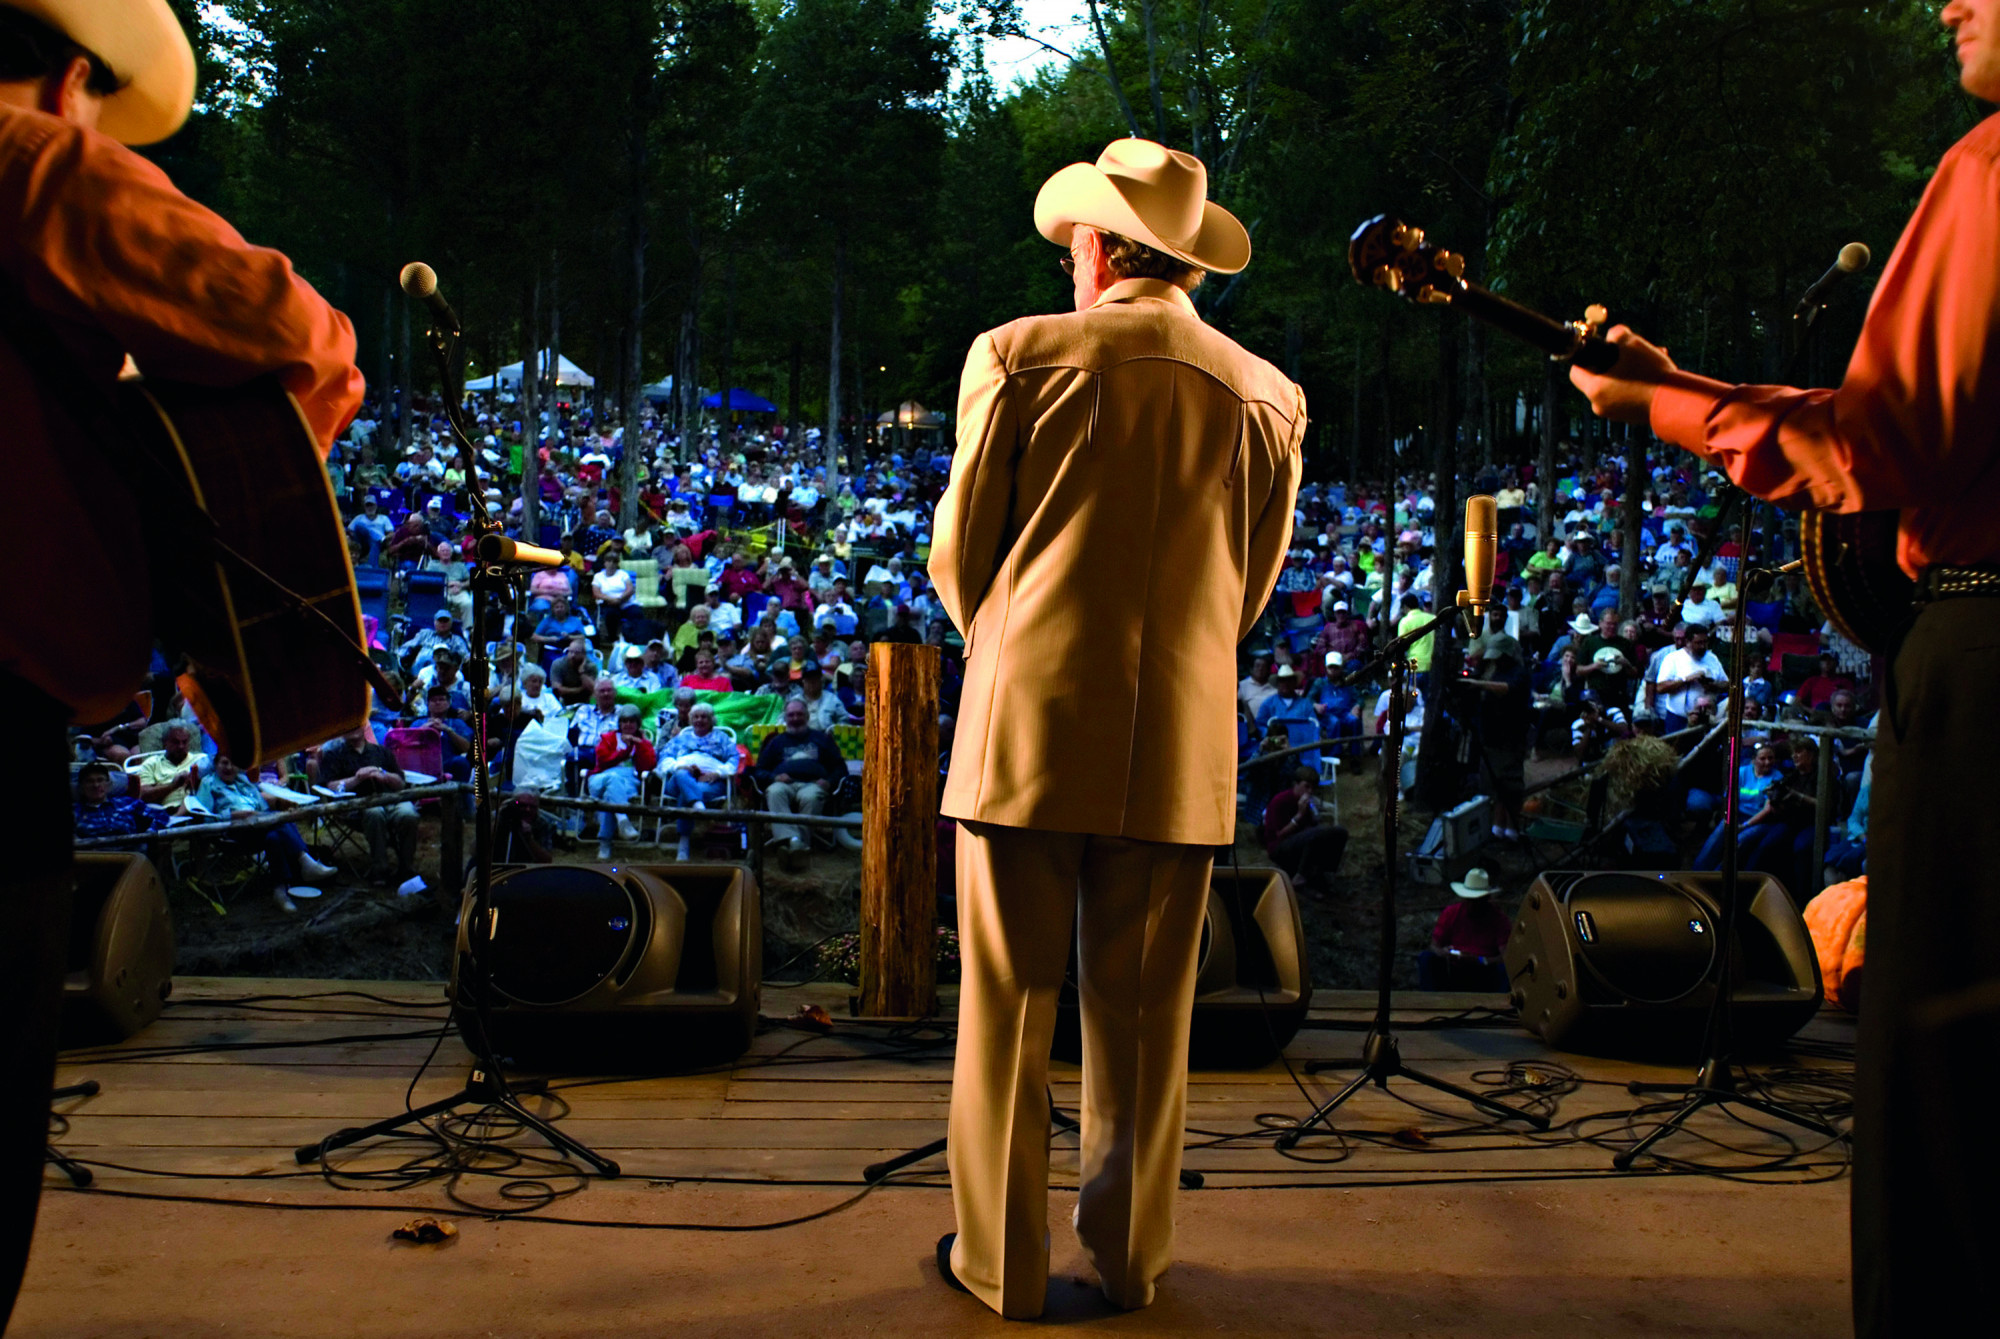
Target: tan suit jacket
x,y
1119,508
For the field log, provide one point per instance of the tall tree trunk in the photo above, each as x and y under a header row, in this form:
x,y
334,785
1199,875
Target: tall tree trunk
x,y
635,306
833,377
1388,422
385,380
1636,478
404,430
531,456
1110,70
728,360
1545,468
553,387
794,413
1354,440
1589,464
1476,392
1153,76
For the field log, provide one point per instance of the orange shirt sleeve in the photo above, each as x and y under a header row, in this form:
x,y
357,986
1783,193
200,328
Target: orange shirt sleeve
x,y
100,238
1915,424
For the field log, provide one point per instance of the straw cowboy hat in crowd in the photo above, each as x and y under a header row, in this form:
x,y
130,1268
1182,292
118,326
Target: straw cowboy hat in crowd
x,y
1478,883
1151,194
144,46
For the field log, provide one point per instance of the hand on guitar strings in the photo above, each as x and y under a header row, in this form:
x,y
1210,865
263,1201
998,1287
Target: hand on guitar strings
x,y
1625,393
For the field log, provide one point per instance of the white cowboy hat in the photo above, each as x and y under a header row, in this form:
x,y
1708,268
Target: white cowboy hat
x,y
1582,625
1151,194
143,44
1478,883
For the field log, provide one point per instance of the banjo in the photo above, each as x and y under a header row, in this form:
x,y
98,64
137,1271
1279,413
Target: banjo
x,y
1849,559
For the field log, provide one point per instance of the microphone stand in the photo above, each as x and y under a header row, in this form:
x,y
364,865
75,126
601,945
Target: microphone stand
x,y
1714,1080
487,1086
1381,1057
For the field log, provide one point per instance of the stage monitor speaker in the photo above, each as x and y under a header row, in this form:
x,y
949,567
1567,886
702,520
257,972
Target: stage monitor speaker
x,y
1622,963
629,968
1253,981
120,966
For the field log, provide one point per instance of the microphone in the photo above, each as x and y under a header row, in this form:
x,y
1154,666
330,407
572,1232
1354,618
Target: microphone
x,y
1482,537
1853,258
420,281
500,551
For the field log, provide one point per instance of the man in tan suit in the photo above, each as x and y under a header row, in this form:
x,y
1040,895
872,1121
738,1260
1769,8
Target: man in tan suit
x,y
1121,502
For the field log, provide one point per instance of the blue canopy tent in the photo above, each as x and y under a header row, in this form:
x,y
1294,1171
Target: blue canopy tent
x,y
742,402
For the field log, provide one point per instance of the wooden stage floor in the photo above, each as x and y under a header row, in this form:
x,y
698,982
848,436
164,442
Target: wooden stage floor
x,y
1411,1213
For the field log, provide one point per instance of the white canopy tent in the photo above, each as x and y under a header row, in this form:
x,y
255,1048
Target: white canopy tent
x,y
567,374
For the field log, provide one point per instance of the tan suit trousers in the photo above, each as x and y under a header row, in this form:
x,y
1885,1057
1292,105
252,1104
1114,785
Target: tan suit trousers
x,y
1138,909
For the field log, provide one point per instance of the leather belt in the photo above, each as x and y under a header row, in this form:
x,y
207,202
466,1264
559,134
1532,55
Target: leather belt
x,y
1951,583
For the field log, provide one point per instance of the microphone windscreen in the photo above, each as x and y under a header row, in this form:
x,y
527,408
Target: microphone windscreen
x,y
1853,257
420,280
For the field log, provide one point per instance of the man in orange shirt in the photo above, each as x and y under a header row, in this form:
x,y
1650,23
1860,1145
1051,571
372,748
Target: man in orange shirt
x,y
102,258
1914,426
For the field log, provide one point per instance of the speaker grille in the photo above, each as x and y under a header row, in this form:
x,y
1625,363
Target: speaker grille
x,y
558,930
1645,939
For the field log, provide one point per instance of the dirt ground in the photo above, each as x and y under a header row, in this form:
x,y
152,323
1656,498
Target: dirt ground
x,y
358,932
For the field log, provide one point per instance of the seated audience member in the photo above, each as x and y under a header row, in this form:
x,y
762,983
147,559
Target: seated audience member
x,y
1256,687
594,719
561,625
372,528
99,813
522,834
228,793
1776,837
778,680
1816,693
1337,705
1296,839
548,583
634,677
1467,940
797,767
1290,706
704,676
688,635
660,666
573,678
695,765
454,735
824,710
535,700
902,627
613,588
620,758
442,633
353,766
166,778
443,672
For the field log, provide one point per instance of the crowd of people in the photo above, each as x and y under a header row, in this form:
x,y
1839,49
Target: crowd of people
x,y
1569,659
766,587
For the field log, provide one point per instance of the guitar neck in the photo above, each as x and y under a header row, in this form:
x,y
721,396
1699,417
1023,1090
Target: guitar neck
x,y
1567,342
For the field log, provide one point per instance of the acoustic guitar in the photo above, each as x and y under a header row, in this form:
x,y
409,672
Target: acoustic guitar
x,y
252,579
1849,557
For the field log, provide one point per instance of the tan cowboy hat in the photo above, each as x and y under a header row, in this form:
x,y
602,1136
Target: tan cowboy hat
x,y
1151,194
143,44
1478,883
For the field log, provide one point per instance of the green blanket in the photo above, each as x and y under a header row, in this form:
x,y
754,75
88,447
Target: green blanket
x,y
738,711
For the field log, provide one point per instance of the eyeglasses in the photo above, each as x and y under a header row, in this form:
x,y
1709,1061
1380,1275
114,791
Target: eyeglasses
x,y
1068,264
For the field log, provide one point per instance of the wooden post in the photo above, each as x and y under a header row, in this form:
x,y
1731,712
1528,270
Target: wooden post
x,y
899,806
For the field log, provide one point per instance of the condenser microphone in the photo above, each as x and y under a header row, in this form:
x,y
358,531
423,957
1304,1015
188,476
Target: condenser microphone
x,y
1853,258
420,281
1482,537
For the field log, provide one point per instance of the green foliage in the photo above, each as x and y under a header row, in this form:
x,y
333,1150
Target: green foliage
x,y
1690,165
